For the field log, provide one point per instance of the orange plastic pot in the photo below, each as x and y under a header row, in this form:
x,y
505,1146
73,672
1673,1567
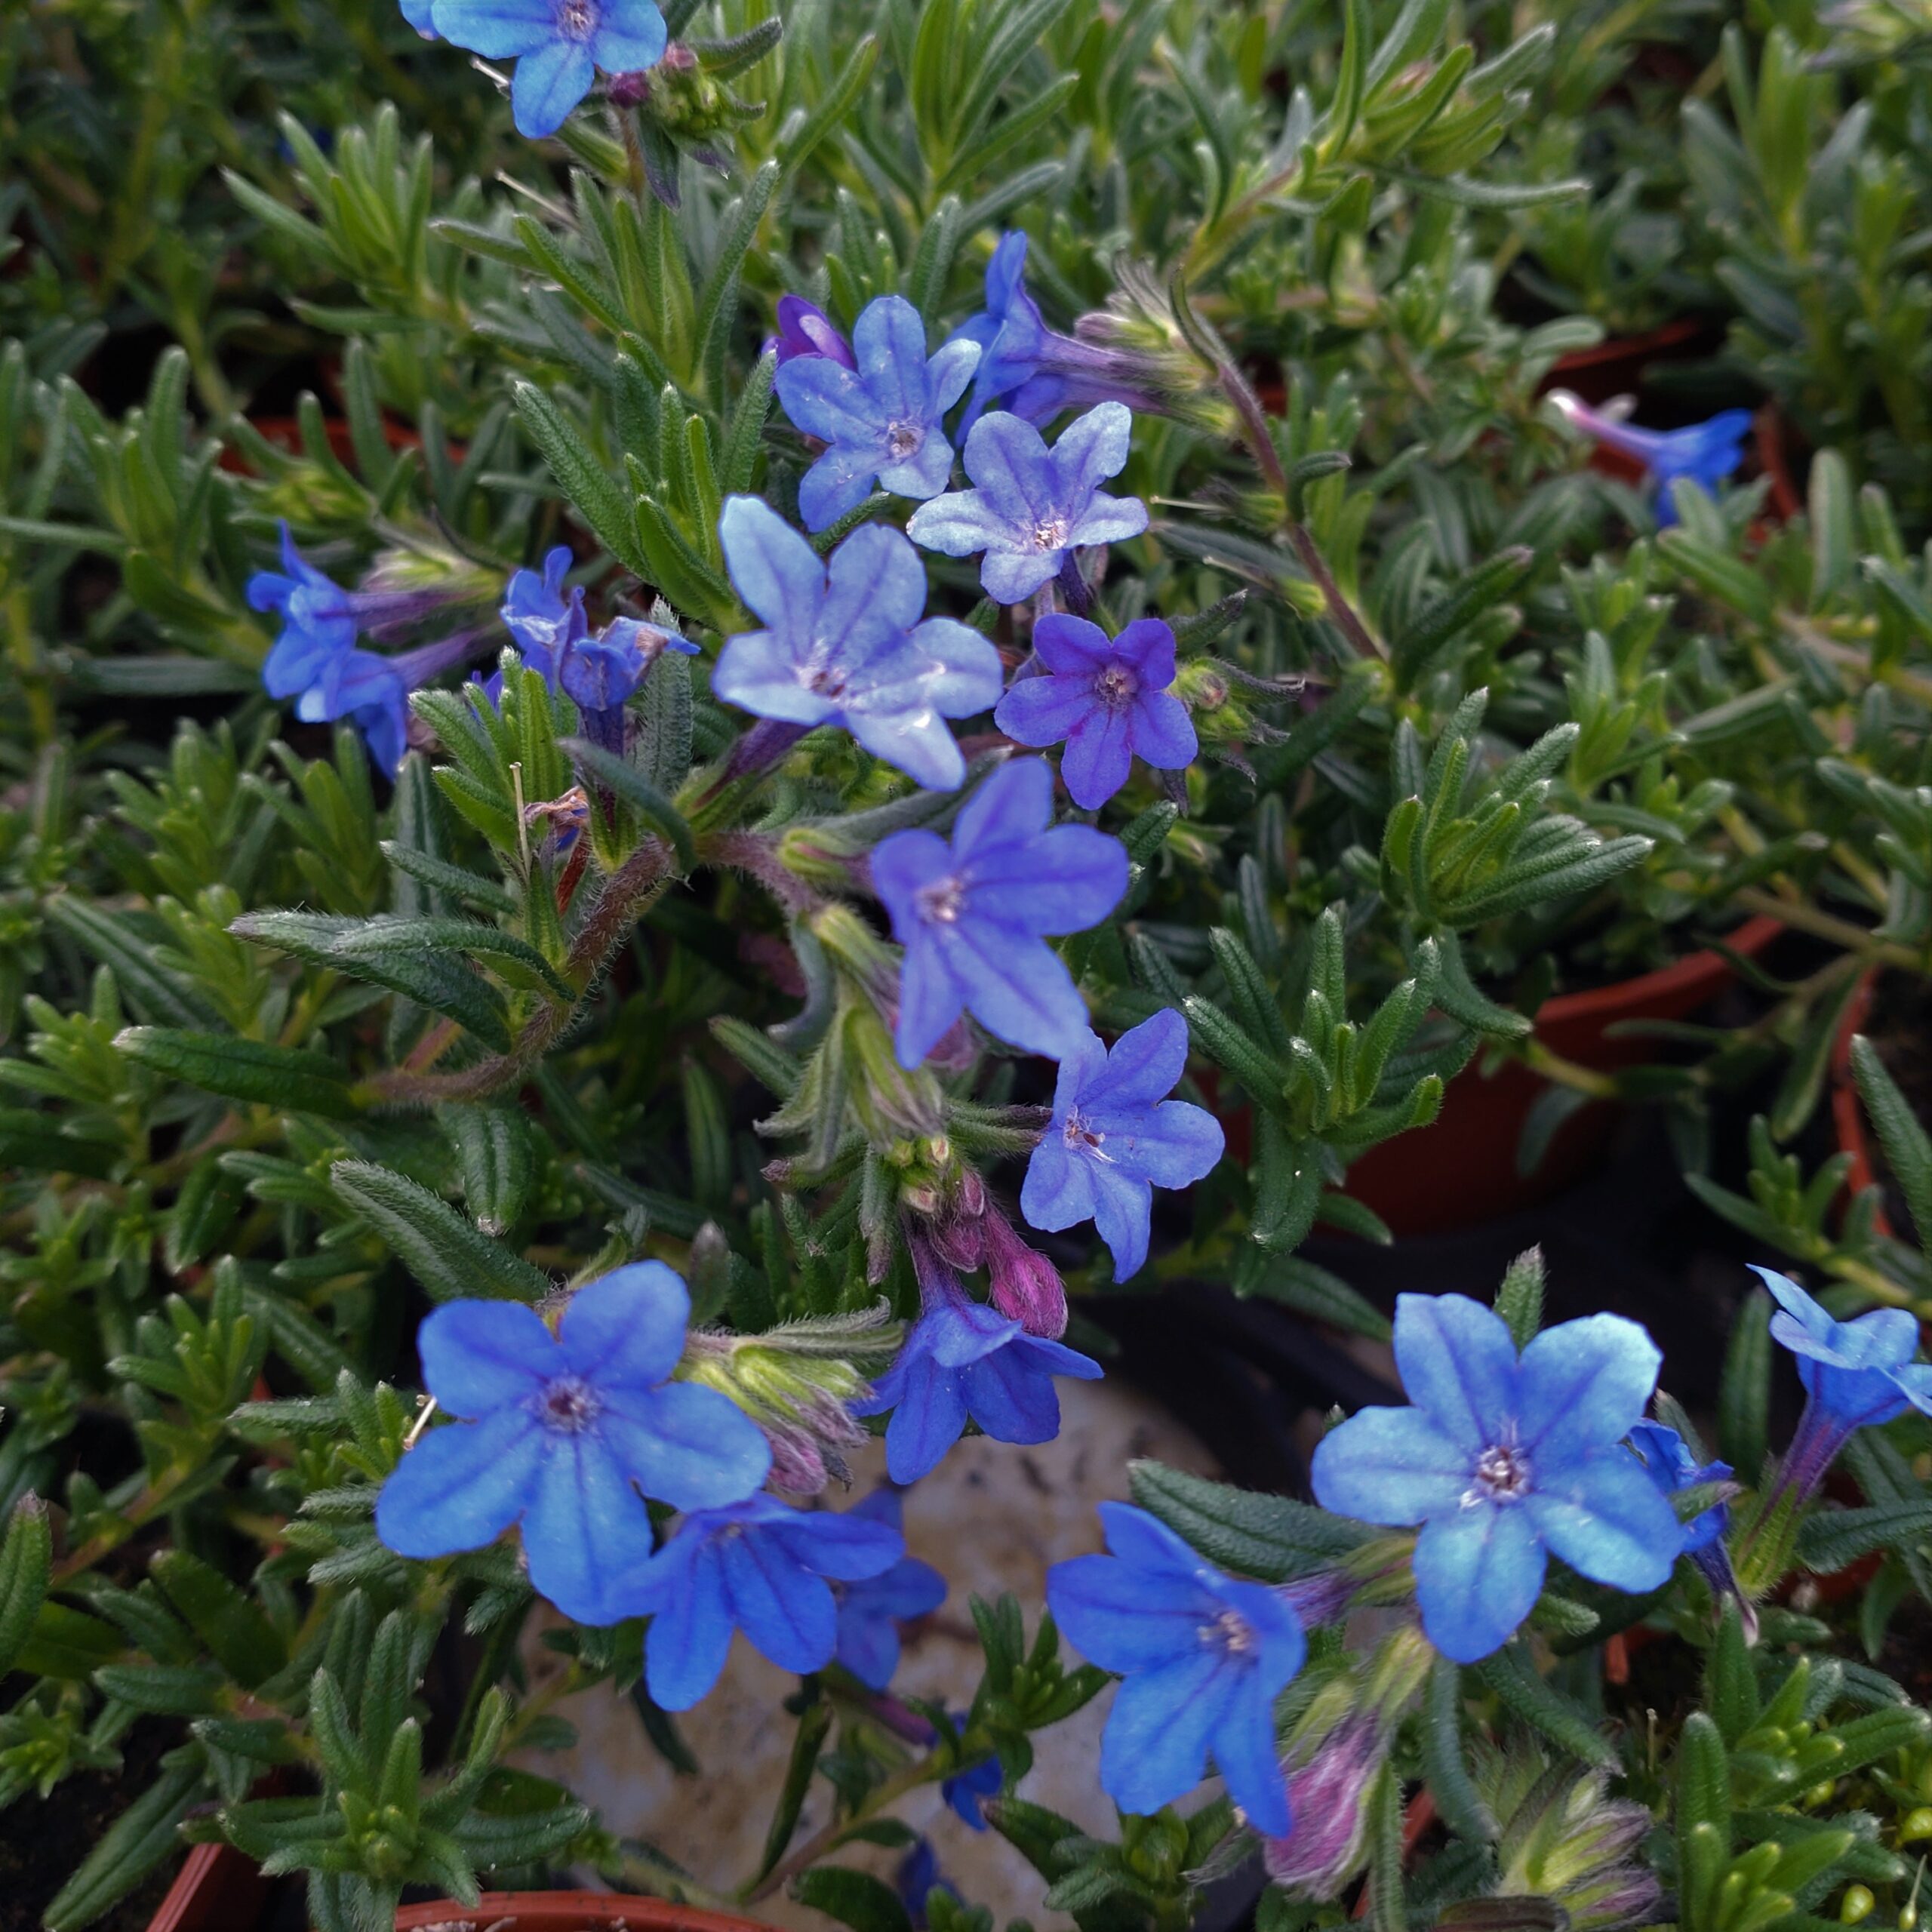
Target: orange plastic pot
x,y
566,1911
1461,1169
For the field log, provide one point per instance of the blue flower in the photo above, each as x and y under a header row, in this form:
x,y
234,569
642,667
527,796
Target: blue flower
x,y
559,1428
1857,1375
1033,506
319,617
370,691
1115,1137
1505,1461
1705,453
557,45
1203,1655
871,1611
758,1566
539,617
805,329
971,916
1011,336
845,644
421,14
965,1361
880,418
1667,1461
967,1791
1109,700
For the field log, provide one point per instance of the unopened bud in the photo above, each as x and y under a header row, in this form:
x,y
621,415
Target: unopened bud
x,y
1023,1283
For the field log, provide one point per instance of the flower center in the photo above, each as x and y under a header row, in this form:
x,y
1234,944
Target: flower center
x,y
1502,1474
942,901
568,1404
1116,686
902,439
577,19
1078,1135
828,680
1229,1632
1050,534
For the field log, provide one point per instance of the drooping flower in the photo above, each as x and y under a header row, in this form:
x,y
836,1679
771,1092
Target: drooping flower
x,y
848,642
881,417
1706,452
1328,1791
967,1791
963,1361
972,915
1107,698
1115,1137
871,1611
1203,1655
1669,1463
557,1430
1857,1374
1032,505
539,617
557,45
372,692
1503,1460
319,620
758,1566
805,329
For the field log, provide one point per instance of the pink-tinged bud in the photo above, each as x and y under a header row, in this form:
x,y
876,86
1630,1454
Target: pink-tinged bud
x,y
797,1468
628,89
1023,1284
1323,1596
1328,1800
958,1234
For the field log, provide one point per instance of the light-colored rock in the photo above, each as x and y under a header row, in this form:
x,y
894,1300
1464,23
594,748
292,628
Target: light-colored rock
x,y
991,1518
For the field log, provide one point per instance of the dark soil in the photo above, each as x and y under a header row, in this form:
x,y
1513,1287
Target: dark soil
x,y
42,1840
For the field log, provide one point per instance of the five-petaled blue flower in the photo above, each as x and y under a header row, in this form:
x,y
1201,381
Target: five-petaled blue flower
x,y
372,692
1115,1137
557,45
1203,1655
1109,700
1705,453
559,1429
971,916
805,329
1033,506
965,1360
880,418
1857,1375
1504,1460
758,1566
846,642
319,621
871,1611
1667,1461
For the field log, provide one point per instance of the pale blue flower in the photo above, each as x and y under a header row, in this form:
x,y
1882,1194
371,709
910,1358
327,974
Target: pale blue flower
x,y
559,45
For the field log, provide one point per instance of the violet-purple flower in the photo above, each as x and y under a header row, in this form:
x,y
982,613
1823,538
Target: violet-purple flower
x,y
1857,1374
758,1566
1705,452
557,45
962,1362
1504,1461
1108,698
879,419
1115,1137
1032,506
561,1431
972,915
871,1609
805,329
846,642
1203,1657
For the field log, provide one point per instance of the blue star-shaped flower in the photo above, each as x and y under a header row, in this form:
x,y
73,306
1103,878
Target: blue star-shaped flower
x,y
1033,506
1667,1461
1203,1657
1108,699
879,419
557,45
1857,1374
963,1361
1504,1460
971,916
318,618
539,617
1011,334
1705,452
1115,1137
871,1611
805,329
758,1566
560,1428
848,642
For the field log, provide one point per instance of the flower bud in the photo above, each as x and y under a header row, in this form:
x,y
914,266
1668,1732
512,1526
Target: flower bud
x,y
1023,1283
1328,1798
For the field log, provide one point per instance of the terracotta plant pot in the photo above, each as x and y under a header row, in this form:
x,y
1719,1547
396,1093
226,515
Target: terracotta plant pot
x,y
565,1912
1462,1169
217,1890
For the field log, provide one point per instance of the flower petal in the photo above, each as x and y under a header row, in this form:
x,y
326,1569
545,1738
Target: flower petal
x,y
1123,1216
759,673
687,1445
1163,734
1099,756
1091,448
1155,1748
1061,880
1250,1762
930,1001
1058,1191
481,1355
774,571
585,1526
1042,710
957,525
690,1626
461,1486
626,1328
549,80
927,1422
788,1613
631,35
1013,806
496,28
1013,984
1124,1617
1478,1573
1011,1395
1583,1384
1389,1466
1458,1364
1077,646
1606,1519
848,1546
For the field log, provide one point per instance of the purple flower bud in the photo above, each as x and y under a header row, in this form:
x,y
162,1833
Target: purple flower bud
x,y
805,329
1023,1284
1326,1800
